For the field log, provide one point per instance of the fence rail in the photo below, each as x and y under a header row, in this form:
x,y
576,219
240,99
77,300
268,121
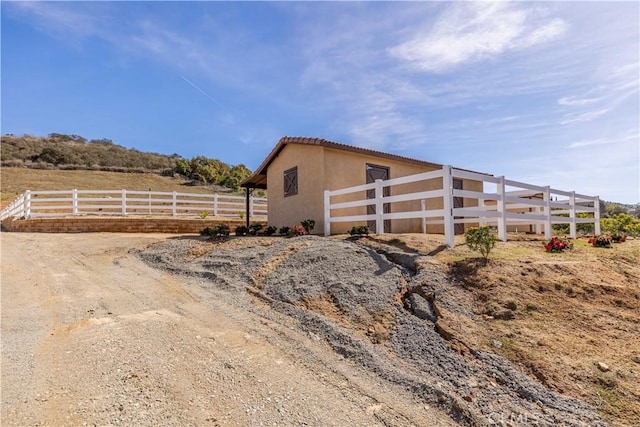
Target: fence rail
x,y
523,204
61,203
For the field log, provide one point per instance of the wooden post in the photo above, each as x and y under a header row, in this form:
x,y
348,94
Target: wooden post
x,y
447,198
327,213
423,206
251,204
124,202
74,202
483,219
547,211
502,209
215,204
572,214
379,207
539,211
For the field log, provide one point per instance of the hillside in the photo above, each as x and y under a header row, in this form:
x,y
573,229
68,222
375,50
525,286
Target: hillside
x,y
73,152
555,316
14,181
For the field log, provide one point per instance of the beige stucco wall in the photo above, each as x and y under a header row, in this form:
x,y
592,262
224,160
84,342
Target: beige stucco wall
x,y
308,203
321,168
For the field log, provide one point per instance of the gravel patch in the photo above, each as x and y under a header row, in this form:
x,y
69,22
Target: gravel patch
x,y
380,309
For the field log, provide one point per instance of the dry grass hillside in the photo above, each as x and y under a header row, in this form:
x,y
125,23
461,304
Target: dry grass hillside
x,y
15,181
571,320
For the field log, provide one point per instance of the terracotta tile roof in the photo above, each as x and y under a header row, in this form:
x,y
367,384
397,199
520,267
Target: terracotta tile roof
x,y
259,178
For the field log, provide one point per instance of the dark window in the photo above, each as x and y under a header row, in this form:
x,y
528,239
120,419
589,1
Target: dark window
x,y
291,181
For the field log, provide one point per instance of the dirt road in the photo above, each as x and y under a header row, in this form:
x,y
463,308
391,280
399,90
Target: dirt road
x,y
91,335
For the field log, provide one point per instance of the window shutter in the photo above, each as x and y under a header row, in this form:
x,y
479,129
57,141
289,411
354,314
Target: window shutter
x,y
291,181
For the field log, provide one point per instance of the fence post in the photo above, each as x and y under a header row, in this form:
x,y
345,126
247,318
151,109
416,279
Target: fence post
x,y
250,205
174,204
483,219
379,205
27,204
502,209
327,213
423,206
447,201
124,202
596,214
547,211
74,201
215,204
572,214
539,211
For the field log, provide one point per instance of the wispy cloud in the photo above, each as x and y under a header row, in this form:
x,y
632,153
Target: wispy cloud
x,y
472,31
634,138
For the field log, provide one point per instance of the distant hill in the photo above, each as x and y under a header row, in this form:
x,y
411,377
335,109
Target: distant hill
x,y
74,152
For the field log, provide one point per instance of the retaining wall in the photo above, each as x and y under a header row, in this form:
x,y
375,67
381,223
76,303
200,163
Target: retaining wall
x,y
115,225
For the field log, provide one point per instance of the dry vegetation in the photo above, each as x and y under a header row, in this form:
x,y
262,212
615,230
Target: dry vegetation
x,y
15,181
570,312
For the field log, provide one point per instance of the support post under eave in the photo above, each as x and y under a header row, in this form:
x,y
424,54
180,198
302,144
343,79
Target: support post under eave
x,y
247,207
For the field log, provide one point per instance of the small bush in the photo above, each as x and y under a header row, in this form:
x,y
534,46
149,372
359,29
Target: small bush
x,y
271,230
618,238
284,231
480,239
242,231
255,228
206,232
511,305
220,230
203,214
308,225
557,244
297,230
600,241
360,230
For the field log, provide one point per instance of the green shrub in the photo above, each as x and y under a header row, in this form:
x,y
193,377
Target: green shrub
x,y
271,230
480,239
255,228
203,214
242,231
284,230
308,225
219,230
360,230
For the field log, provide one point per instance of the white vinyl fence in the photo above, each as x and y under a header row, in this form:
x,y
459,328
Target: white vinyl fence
x,y
39,204
511,203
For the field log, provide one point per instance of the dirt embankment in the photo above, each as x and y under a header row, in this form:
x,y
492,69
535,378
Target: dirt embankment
x,y
307,331
395,322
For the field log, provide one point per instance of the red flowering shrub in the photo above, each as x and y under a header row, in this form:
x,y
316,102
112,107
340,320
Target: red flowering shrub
x,y
557,244
297,230
600,241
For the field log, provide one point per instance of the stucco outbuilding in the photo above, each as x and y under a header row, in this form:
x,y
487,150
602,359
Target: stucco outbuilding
x,y
298,170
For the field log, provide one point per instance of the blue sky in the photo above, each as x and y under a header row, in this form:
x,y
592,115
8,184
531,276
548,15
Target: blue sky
x,y
541,92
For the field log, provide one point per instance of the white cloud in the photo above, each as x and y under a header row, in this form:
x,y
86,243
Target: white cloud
x,y
572,100
472,31
585,117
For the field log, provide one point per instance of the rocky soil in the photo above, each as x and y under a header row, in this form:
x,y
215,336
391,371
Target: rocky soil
x,y
385,310
109,329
